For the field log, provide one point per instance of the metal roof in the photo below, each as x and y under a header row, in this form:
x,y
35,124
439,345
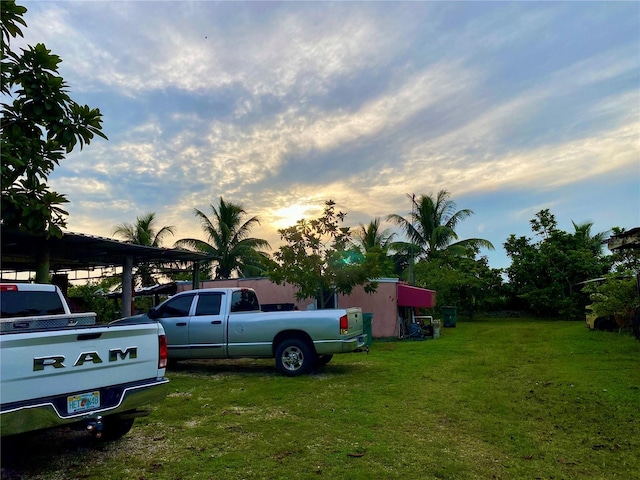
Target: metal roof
x,y
627,240
78,251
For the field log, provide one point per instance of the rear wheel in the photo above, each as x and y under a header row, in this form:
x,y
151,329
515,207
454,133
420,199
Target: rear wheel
x,y
323,360
113,428
605,323
294,357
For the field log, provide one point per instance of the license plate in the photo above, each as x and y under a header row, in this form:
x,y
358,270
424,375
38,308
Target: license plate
x,y
83,402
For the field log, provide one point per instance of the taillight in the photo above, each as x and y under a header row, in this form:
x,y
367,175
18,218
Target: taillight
x,y
344,324
8,288
164,351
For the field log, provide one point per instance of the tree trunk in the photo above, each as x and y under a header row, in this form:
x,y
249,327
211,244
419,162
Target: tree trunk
x,y
44,262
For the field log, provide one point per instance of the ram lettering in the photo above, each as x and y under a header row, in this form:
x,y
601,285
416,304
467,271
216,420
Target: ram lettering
x,y
56,361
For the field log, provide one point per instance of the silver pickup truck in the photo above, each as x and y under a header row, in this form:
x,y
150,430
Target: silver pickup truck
x,y
228,323
58,368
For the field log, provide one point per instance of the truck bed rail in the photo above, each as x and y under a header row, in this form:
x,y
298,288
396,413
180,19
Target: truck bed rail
x,y
46,322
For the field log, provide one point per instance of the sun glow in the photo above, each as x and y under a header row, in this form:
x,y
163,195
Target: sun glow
x,y
288,216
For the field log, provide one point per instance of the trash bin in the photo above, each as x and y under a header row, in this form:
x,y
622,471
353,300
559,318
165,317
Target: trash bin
x,y
436,328
449,317
367,324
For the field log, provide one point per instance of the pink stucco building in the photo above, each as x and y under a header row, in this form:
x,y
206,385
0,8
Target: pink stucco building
x,y
392,300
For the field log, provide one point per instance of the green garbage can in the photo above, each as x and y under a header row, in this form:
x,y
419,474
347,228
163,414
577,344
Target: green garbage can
x,y
367,324
449,317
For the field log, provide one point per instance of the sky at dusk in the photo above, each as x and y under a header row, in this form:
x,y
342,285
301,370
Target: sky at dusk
x,y
511,107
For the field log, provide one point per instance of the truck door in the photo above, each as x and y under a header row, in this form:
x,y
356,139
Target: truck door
x,y
174,316
208,327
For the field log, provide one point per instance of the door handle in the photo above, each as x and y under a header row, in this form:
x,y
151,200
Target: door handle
x,y
181,324
216,322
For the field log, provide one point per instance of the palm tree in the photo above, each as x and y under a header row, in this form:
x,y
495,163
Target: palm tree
x,y
591,242
370,236
230,246
372,245
431,226
144,232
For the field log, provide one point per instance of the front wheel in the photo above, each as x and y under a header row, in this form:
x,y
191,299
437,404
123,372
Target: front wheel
x,y
294,357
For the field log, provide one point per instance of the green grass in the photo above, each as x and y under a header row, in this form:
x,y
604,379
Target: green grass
x,y
494,399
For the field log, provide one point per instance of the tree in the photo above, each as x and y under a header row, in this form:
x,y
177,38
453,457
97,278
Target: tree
x,y
144,232
431,225
592,242
370,236
90,298
230,246
40,125
376,243
463,281
318,258
544,275
430,229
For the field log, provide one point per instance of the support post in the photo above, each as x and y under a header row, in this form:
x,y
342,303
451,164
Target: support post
x,y
195,278
127,286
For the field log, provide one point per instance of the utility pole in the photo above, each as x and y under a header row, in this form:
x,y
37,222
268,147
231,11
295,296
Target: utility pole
x,y
412,276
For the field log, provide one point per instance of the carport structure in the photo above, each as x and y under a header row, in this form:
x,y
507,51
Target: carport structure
x,y
22,252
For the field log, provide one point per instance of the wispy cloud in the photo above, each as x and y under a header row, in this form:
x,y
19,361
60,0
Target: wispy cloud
x,y
280,106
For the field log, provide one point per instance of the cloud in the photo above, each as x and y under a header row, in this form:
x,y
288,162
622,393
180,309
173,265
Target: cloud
x,y
281,106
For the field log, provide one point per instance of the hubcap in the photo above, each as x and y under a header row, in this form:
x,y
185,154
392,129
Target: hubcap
x,y
292,358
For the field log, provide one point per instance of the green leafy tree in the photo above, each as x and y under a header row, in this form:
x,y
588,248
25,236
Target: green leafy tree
x,y
228,241
543,275
90,298
40,125
318,258
144,232
464,281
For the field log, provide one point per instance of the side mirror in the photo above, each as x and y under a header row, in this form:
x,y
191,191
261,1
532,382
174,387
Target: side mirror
x,y
153,314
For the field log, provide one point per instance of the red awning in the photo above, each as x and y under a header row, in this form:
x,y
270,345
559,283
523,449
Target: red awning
x,y
409,296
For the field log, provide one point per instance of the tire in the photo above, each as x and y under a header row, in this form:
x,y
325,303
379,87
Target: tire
x,y
294,357
605,323
114,428
323,360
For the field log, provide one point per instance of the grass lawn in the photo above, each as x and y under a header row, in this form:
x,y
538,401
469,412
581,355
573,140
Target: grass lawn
x,y
490,399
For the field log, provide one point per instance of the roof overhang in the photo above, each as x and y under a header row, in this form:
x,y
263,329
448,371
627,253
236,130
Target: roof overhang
x,y
627,240
76,251
409,296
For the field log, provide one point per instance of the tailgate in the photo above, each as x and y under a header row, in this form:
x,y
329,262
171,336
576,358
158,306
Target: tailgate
x,y
42,364
356,321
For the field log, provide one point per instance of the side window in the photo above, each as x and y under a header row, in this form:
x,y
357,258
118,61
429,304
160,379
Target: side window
x,y
209,304
177,307
244,301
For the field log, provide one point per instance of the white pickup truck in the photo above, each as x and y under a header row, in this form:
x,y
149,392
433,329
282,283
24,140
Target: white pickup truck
x,y
59,368
227,323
